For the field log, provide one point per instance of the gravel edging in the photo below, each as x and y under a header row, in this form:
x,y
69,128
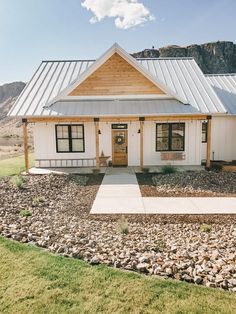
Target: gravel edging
x,y
193,248
188,184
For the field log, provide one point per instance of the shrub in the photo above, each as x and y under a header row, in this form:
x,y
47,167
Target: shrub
x,y
25,213
216,166
37,200
145,170
96,171
123,226
159,246
18,181
79,179
168,169
205,228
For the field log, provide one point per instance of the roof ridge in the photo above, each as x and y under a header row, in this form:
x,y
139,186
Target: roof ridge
x,y
166,58
72,60
93,60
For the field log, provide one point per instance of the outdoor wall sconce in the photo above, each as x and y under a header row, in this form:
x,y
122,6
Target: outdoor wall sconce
x,y
99,132
138,131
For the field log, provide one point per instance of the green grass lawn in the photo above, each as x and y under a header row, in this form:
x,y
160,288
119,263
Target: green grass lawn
x,y
14,165
35,281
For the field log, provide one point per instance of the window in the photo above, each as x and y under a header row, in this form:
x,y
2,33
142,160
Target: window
x,y
204,132
70,138
170,136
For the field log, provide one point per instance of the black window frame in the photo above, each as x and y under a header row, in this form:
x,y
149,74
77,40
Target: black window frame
x,y
70,138
170,125
205,131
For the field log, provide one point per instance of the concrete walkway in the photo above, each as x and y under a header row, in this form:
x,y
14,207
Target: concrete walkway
x,y
189,205
119,193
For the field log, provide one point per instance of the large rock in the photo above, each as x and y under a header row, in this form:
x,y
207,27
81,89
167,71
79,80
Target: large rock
x,y
215,57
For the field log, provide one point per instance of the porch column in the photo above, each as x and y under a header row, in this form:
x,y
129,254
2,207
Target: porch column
x,y
208,162
141,120
96,123
26,149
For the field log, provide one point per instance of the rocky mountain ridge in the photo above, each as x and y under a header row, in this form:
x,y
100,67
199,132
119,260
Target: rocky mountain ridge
x,y
10,90
214,57
8,95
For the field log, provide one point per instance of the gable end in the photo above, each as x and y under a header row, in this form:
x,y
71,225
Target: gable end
x,y
116,77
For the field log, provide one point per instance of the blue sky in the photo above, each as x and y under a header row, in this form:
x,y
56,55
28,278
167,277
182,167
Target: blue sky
x,y
35,30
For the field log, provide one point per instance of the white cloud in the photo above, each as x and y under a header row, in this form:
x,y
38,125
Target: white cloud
x,y
127,13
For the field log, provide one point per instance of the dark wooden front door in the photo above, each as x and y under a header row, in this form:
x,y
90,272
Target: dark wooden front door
x,y
119,147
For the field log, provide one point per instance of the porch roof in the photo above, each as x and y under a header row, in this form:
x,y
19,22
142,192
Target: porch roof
x,y
121,107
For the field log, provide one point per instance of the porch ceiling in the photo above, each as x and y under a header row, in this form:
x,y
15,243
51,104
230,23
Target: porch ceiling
x,y
127,107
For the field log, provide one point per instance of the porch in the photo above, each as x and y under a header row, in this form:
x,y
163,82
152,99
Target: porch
x,y
140,143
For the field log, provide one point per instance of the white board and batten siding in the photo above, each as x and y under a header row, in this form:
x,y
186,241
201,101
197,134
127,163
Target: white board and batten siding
x,y
192,150
223,138
45,144
151,157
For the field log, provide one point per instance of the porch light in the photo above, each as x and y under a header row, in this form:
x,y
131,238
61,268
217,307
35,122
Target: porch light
x,y
99,132
138,131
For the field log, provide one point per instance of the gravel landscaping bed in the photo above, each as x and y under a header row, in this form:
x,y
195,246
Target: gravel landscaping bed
x,y
52,211
188,183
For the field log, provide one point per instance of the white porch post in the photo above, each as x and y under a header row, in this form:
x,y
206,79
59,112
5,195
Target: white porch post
x,y
26,149
208,162
96,123
141,120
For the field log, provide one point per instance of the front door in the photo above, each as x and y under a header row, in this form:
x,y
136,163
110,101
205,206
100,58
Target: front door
x,y
119,147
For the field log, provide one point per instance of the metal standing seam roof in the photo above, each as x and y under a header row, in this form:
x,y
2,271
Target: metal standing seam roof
x,y
121,107
182,75
224,86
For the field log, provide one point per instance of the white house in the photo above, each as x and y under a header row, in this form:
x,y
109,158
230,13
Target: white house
x,y
136,112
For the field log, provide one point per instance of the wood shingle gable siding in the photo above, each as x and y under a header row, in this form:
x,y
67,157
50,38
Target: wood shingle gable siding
x,y
116,77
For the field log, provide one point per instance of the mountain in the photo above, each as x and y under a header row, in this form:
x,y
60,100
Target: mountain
x,y
214,57
5,106
10,90
8,94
